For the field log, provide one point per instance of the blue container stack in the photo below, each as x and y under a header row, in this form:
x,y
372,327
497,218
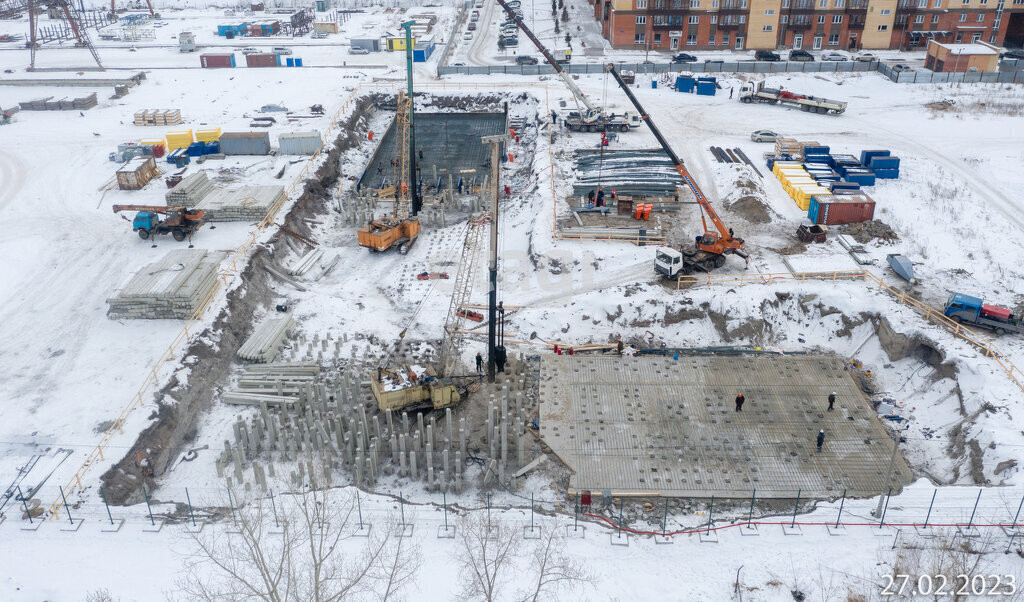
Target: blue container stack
x,y
706,86
196,149
885,168
685,84
840,187
211,148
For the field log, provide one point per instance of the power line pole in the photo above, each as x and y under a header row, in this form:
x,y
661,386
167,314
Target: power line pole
x,y
492,298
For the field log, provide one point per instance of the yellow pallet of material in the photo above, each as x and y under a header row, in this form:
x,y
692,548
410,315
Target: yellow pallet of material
x,y
792,170
779,165
208,135
179,139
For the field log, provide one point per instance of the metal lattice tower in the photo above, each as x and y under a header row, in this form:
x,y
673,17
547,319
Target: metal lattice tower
x,y
75,21
402,155
451,344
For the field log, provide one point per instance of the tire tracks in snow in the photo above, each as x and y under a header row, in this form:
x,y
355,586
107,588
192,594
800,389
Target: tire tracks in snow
x,y
11,178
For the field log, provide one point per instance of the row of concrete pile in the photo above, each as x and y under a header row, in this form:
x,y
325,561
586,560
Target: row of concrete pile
x,y
266,339
247,203
316,428
173,287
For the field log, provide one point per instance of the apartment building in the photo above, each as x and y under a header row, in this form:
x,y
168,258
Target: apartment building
x,y
678,25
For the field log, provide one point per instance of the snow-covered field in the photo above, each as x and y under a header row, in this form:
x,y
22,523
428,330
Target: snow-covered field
x,y
68,370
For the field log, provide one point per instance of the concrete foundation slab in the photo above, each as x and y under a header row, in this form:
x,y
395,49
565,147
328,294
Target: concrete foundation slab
x,y
114,527
620,539
363,531
575,532
663,539
749,531
837,531
708,537
153,528
72,526
651,425
448,533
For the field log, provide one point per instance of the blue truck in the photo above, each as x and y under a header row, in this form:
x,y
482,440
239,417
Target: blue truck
x,y
966,309
181,223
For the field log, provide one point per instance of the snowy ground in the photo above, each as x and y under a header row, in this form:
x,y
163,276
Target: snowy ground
x,y
69,370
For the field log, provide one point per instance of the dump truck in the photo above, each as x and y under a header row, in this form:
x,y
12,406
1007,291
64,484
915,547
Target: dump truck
x,y
410,388
181,223
966,309
749,92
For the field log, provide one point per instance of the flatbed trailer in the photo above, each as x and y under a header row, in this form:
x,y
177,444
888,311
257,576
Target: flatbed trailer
x,y
813,104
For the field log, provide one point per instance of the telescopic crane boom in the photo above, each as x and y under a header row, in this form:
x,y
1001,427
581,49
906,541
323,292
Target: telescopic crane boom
x,y
716,243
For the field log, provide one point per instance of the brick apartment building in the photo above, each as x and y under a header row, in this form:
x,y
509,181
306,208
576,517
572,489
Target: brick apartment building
x,y
680,25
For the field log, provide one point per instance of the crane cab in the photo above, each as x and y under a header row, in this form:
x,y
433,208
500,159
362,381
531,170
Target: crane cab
x,y
711,242
145,220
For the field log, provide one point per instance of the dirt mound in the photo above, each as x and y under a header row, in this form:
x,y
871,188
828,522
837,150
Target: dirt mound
x,y
864,232
752,209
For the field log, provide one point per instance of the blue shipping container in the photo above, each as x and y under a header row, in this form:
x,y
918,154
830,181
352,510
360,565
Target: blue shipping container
x,y
816,150
684,84
196,149
289,62
706,88
865,156
298,62
887,174
864,178
884,163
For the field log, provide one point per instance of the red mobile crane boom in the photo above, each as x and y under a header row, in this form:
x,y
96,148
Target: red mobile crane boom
x,y
710,250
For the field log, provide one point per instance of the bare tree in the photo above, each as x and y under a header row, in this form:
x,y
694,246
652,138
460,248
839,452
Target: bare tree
x,y
554,570
306,561
486,554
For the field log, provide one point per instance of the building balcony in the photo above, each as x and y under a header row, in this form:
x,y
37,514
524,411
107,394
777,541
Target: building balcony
x,y
855,25
801,26
729,26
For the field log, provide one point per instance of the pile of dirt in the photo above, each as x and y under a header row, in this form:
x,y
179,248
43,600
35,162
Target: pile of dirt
x,y
864,232
752,209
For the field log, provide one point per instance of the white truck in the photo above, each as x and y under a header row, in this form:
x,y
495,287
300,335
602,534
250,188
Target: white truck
x,y
750,92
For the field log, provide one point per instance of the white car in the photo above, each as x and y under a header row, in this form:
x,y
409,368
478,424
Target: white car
x,y
833,56
468,35
358,51
866,57
280,50
251,50
479,4
901,67
764,136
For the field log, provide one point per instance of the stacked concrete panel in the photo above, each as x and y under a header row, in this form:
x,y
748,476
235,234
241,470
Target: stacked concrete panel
x,y
243,204
190,191
266,339
171,288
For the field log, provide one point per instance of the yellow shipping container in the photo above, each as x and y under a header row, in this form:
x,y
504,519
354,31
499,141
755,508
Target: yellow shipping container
x,y
179,139
208,135
779,165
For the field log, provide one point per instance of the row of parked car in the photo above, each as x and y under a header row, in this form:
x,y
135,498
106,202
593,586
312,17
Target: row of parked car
x,y
509,29
795,55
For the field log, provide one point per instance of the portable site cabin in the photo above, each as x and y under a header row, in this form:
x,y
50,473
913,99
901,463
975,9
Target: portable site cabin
x,y
371,44
135,174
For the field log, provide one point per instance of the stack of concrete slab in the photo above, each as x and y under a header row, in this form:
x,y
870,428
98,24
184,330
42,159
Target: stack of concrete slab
x,y
266,339
171,288
273,384
190,191
248,203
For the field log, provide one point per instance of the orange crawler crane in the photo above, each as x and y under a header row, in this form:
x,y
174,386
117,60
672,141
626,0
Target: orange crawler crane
x,y
397,229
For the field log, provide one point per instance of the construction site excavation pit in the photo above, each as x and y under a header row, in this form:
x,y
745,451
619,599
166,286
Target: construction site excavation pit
x,y
650,426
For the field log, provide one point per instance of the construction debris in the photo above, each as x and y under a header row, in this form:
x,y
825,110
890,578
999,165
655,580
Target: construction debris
x,y
173,287
266,339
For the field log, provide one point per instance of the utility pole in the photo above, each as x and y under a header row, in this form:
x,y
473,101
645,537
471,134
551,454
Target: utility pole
x,y
417,202
888,477
492,297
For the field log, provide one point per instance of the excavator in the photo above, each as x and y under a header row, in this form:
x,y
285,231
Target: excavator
x,y
181,223
709,250
398,229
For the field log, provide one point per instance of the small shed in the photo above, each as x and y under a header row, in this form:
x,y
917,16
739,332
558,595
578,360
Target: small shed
x,y
135,174
422,51
325,27
299,143
186,42
960,58
245,143
398,43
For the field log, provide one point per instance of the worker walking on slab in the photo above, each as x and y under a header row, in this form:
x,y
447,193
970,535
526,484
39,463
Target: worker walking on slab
x,y
618,347
479,363
831,401
821,438
739,402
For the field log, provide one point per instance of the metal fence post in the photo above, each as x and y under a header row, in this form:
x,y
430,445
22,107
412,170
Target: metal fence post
x,y
711,511
620,517
444,498
929,515
976,500
750,515
664,519
795,507
191,514
359,509
884,509
66,509
841,509
401,507
531,512
148,507
273,506
104,498
25,504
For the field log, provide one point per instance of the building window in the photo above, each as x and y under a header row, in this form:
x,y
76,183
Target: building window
x,y
963,17
677,3
743,3
714,3
638,38
714,19
840,3
981,17
694,19
975,38
725,38
935,19
641,4
694,3
711,40
821,19
918,19
785,3
901,19
822,4
883,28
657,39
769,11
817,42
641,20
885,11
833,40
766,28
922,3
783,19
937,4
691,40
743,19
837,18
959,37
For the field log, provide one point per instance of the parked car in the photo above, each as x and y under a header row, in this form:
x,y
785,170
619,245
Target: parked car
x,y
526,60
682,57
764,136
319,35
358,51
800,55
471,27
468,35
474,16
514,4
766,55
833,56
1017,54
511,41
479,4
281,50
866,57
251,50
901,67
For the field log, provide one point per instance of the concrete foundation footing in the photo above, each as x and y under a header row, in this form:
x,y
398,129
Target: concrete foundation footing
x,y
112,527
619,539
531,532
792,530
448,533
72,526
